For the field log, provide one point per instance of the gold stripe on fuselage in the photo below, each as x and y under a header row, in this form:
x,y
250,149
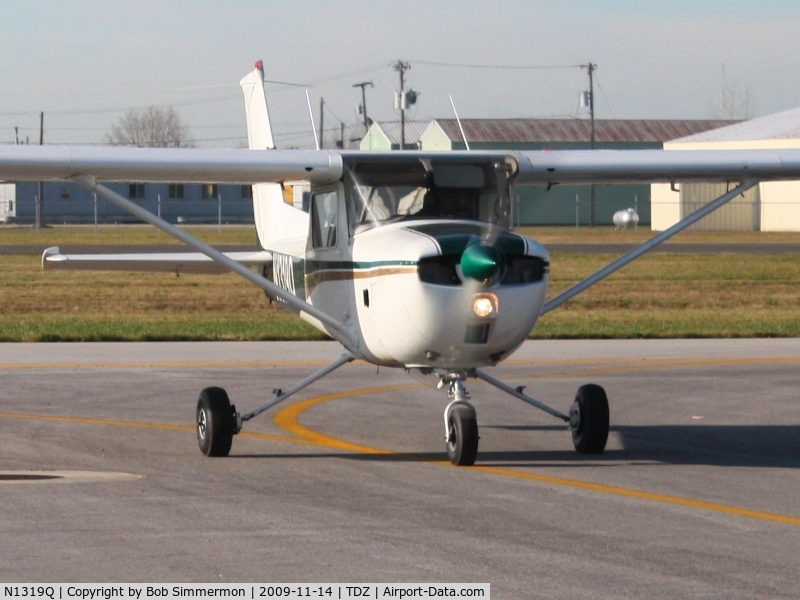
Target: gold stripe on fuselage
x,y
317,277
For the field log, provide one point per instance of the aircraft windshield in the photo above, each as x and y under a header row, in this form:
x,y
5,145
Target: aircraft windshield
x,y
409,191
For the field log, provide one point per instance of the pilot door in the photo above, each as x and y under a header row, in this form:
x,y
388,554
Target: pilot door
x,y
329,268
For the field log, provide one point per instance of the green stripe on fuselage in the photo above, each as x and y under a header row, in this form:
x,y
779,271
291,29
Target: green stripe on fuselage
x,y
453,238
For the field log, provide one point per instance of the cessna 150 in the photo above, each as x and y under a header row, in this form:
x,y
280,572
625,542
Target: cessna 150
x,y
406,258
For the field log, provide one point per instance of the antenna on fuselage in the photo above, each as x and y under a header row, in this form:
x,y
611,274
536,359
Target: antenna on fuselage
x,y
311,116
455,112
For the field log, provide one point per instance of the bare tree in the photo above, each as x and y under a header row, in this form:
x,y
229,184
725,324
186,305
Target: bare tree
x,y
734,104
150,127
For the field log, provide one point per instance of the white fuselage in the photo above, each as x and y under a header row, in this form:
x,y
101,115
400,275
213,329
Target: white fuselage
x,y
401,317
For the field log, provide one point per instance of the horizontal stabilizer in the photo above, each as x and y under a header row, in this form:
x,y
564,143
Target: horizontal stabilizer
x,y
171,262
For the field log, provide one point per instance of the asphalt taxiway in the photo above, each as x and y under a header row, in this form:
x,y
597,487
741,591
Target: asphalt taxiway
x,y
697,494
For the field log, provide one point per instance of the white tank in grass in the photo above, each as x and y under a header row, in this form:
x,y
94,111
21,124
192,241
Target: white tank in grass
x,y
623,219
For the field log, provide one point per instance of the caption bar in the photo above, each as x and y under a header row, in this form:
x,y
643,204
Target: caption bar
x,y
251,591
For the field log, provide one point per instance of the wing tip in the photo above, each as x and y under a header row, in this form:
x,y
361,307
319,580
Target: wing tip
x,y
52,254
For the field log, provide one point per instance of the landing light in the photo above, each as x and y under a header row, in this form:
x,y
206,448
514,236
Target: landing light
x,y
484,305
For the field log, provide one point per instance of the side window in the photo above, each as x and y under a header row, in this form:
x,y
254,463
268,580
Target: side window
x,y
175,190
136,190
323,219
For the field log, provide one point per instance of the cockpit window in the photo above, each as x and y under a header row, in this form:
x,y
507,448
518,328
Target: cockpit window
x,y
387,193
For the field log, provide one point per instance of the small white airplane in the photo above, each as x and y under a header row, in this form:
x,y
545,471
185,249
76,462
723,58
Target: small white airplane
x,y
406,258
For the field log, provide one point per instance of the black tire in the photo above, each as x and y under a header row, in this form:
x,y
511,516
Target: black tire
x,y
215,422
462,434
589,419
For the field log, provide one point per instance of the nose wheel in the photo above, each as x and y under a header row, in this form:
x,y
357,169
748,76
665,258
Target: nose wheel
x,y
460,422
462,435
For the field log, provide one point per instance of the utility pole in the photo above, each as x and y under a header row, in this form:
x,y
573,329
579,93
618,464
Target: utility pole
x,y
321,122
40,200
590,68
362,85
401,67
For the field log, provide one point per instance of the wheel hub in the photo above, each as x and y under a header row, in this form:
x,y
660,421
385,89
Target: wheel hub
x,y
574,416
202,424
451,435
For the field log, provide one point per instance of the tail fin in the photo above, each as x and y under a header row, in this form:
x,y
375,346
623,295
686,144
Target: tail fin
x,y
275,219
259,129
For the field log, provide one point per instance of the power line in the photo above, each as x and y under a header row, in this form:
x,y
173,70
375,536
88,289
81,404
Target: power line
x,y
349,74
510,67
98,111
603,93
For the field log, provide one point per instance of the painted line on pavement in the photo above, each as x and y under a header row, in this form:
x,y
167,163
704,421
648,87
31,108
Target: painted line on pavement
x,y
288,419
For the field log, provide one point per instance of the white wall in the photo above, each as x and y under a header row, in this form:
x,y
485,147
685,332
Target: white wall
x,y
780,200
665,207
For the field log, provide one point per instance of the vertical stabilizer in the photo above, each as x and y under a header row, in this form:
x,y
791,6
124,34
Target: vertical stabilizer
x,y
275,220
259,129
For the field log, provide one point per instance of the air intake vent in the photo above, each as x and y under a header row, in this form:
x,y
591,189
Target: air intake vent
x,y
477,334
440,270
523,269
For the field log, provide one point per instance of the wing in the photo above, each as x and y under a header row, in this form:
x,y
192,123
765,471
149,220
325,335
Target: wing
x,y
170,165
172,262
243,166
650,166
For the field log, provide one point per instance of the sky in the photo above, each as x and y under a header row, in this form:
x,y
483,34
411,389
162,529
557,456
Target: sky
x,y
84,62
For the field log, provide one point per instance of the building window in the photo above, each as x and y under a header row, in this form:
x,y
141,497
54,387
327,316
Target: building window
x,y
136,190
208,191
65,193
247,192
175,190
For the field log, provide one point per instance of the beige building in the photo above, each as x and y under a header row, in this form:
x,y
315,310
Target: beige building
x,y
770,206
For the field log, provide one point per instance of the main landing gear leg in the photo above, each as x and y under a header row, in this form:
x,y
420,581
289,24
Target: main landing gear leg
x,y
218,421
588,417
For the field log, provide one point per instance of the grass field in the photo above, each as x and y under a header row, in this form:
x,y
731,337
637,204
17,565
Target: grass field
x,y
245,234
120,234
661,295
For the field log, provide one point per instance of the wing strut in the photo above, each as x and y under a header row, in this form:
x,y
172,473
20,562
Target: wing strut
x,y
339,332
648,245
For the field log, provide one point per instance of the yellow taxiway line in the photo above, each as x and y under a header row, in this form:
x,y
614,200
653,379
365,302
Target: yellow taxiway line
x,y
288,419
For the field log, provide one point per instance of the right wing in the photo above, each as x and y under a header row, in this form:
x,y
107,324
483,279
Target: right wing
x,y
171,262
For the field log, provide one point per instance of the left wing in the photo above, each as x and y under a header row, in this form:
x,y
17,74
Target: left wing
x,y
652,166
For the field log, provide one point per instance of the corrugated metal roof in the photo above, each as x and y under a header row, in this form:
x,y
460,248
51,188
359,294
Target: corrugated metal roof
x,y
779,126
414,130
575,130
